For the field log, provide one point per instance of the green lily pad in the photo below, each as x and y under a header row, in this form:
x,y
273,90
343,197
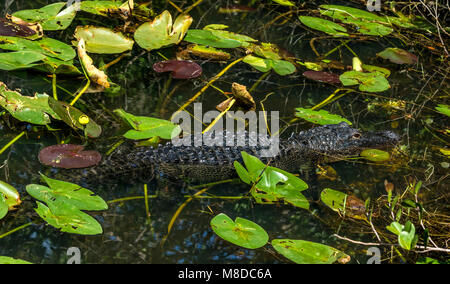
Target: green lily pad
x,y
35,110
71,116
60,192
10,194
280,67
102,8
10,260
323,25
55,66
161,32
50,17
216,36
407,237
272,184
148,127
368,82
305,252
321,117
367,23
69,219
3,206
19,60
46,46
103,40
241,232
375,155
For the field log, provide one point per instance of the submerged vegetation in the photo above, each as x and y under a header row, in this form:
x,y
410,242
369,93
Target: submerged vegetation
x,y
96,74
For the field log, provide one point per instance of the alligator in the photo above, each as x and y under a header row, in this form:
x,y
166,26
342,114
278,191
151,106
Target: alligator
x,y
321,144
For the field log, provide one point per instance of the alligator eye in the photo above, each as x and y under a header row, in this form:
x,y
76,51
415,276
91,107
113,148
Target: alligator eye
x,y
356,135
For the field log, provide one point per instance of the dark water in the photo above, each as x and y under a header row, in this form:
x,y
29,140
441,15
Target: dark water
x,y
128,236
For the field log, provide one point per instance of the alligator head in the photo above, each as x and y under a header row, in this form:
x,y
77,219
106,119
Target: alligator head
x,y
340,140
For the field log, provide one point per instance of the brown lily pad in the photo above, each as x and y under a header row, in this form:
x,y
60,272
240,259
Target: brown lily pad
x,y
68,156
321,76
181,69
398,56
8,28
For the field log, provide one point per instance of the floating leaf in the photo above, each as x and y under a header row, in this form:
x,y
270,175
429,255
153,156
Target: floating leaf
x,y
8,28
50,17
368,82
161,32
10,195
61,192
46,46
34,110
104,8
71,116
206,37
69,156
375,155
323,25
148,127
321,117
272,184
3,206
398,56
321,76
305,252
181,69
281,67
19,60
10,260
69,219
103,40
367,23
241,232
97,76
343,204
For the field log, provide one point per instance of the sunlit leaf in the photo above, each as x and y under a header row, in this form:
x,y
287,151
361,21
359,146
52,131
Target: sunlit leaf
x,y
161,32
321,117
368,82
148,127
10,260
103,40
34,110
375,155
69,219
11,196
444,109
284,2
50,17
97,76
305,252
61,192
241,232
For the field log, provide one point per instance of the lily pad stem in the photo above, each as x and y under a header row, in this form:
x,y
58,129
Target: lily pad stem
x,y
12,142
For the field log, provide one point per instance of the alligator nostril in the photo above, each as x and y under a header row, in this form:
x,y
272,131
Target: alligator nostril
x,y
393,136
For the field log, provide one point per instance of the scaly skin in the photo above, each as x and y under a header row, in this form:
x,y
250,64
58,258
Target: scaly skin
x,y
212,163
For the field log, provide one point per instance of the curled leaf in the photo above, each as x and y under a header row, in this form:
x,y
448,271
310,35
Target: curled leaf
x,y
97,76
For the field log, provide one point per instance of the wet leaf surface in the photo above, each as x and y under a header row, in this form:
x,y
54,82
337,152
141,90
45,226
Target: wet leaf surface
x,y
323,25
368,82
69,156
180,69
